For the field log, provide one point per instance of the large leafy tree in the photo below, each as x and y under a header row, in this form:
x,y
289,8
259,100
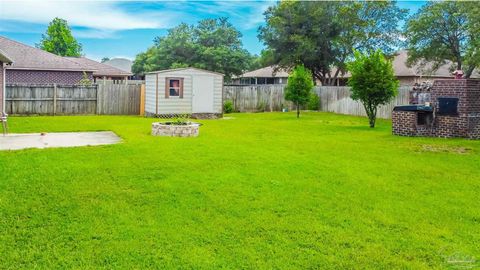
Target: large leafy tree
x,y
212,44
299,87
263,60
372,81
323,35
445,31
59,40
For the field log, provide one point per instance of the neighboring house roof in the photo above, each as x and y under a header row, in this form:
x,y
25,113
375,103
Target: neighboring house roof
x,y
401,69
266,72
399,66
178,69
30,58
100,68
120,63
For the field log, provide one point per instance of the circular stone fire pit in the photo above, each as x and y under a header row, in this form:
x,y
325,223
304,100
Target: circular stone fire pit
x,y
172,129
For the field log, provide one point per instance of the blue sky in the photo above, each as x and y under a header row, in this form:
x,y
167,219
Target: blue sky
x,y
125,28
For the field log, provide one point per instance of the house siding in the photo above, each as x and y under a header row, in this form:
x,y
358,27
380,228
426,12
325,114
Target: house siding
x,y
44,76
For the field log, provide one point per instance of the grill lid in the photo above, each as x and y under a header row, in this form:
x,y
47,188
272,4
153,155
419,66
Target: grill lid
x,y
413,108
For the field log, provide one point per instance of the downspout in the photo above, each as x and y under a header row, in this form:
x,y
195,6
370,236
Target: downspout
x,y
3,114
4,93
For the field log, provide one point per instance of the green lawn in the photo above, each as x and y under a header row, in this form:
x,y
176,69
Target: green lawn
x,y
259,191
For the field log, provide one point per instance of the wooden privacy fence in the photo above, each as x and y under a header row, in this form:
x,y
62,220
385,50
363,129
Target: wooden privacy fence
x,y
54,99
119,99
337,99
254,98
251,98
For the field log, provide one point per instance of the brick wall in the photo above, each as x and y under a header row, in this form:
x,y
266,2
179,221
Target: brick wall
x,y
44,76
404,123
466,124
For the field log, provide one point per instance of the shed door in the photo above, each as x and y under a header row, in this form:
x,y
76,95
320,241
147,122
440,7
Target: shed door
x,y
202,96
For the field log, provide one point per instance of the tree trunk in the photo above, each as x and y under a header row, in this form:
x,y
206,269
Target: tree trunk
x,y
371,111
372,121
469,71
298,110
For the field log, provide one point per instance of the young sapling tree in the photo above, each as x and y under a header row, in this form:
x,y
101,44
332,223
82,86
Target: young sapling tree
x,y
299,87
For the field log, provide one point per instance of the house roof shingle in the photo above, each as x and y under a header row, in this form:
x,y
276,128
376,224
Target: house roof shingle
x,y
27,57
266,72
100,68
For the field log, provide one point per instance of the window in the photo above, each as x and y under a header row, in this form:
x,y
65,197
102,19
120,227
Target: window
x,y
245,81
174,87
261,80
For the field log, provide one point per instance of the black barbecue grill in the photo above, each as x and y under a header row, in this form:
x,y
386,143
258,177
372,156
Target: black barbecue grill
x,y
413,108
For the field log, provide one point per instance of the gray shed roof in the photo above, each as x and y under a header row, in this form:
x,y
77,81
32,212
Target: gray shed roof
x,y
100,68
120,63
30,58
178,69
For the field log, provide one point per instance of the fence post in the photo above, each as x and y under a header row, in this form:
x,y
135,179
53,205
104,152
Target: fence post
x,y
97,103
271,99
156,95
54,99
142,99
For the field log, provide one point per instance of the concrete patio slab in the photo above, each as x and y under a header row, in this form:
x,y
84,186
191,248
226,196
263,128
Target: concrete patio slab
x,y
56,139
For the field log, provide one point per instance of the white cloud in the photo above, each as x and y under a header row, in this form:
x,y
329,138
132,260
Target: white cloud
x,y
102,15
93,33
244,14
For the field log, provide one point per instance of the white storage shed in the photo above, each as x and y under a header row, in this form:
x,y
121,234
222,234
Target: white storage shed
x,y
184,91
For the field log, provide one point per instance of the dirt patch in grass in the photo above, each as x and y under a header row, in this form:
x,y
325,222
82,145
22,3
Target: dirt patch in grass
x,y
443,149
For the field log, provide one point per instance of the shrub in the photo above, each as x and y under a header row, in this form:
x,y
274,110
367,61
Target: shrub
x,y
85,81
313,102
261,106
228,106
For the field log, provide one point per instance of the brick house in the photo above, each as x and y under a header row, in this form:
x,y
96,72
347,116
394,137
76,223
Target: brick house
x,y
35,66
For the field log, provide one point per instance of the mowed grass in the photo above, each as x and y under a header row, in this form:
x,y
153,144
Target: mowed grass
x,y
259,191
